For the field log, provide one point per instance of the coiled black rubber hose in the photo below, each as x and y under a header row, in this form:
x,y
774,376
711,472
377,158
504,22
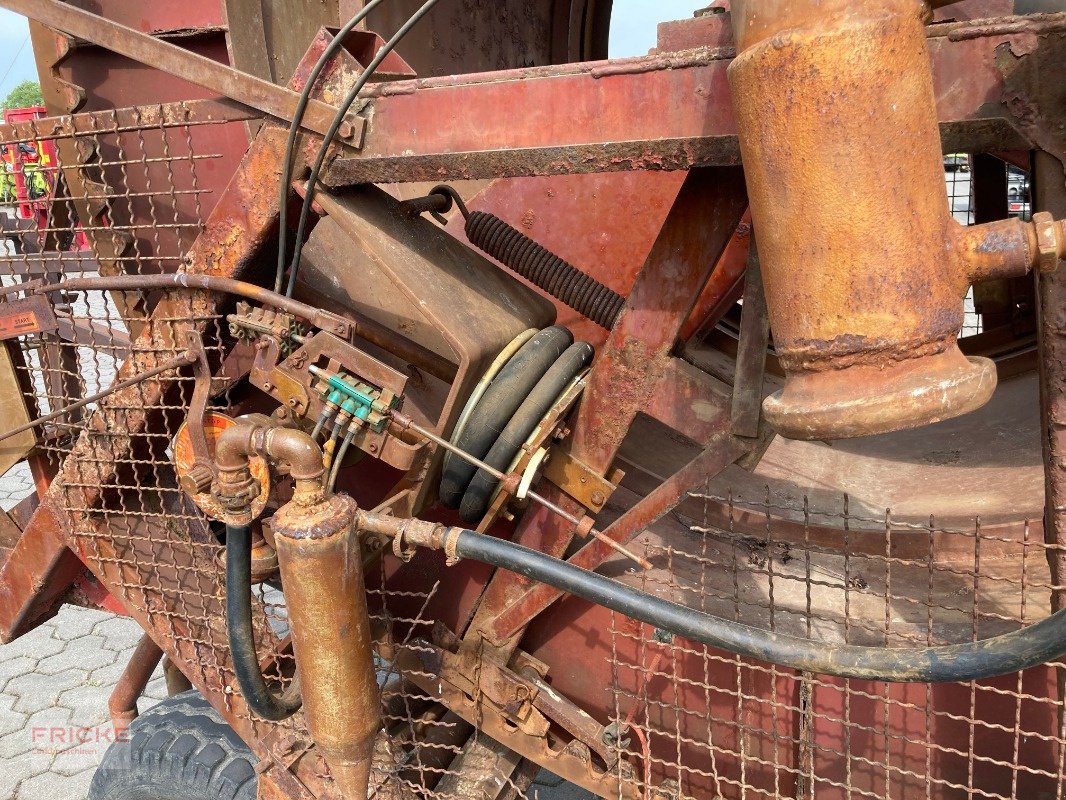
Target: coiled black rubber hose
x,y
1012,652
521,424
239,627
496,407
544,269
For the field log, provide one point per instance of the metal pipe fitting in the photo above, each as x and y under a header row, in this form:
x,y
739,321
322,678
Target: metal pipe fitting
x,y
322,573
254,436
865,269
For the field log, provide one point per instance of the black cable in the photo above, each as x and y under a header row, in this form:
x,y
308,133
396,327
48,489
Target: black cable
x,y
256,693
294,129
338,120
1011,652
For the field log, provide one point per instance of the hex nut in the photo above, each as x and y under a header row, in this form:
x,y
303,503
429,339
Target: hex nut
x,y
1047,242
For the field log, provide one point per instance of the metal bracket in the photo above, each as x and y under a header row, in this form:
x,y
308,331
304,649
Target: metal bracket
x,y
579,480
29,315
201,393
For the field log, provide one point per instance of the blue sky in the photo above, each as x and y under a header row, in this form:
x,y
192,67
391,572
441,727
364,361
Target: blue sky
x,y
14,37
632,33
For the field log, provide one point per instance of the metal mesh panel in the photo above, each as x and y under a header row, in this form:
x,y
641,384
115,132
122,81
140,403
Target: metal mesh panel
x,y
709,724
695,723
121,198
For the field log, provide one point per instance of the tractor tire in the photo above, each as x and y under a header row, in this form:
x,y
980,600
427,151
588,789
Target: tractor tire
x,y
181,749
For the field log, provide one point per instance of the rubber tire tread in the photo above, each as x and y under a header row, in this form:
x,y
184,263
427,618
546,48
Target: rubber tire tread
x,y
496,407
181,749
518,429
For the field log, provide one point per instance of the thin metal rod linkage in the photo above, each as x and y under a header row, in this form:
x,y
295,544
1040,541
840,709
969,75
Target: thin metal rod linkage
x,y
183,360
407,423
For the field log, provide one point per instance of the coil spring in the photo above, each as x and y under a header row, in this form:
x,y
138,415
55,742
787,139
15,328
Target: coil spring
x,y
544,269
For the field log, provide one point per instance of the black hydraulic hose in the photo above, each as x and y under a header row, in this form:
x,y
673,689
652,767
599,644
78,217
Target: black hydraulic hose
x,y
256,693
522,423
294,129
338,120
499,403
1011,652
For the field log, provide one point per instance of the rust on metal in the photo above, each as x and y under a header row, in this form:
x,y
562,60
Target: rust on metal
x,y
26,316
321,568
864,279
261,95
123,701
661,112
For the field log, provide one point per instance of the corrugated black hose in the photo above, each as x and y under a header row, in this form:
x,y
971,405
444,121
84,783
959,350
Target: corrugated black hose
x,y
253,685
1011,652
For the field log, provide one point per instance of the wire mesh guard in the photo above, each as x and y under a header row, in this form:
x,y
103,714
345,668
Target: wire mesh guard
x,y
113,196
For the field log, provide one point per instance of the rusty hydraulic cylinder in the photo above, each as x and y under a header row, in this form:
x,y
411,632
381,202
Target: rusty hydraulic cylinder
x,y
865,268
322,573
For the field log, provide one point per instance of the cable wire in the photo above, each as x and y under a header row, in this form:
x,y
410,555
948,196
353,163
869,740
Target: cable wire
x,y
294,130
338,120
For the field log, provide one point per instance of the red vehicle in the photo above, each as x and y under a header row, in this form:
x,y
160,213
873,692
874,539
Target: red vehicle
x,y
30,172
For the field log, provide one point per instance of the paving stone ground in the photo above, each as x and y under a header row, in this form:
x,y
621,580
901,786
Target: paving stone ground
x,y
54,724
54,685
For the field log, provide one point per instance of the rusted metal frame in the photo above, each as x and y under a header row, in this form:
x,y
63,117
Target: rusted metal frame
x,y
751,356
1049,178
718,454
37,572
262,95
122,704
1038,24
94,334
124,120
240,225
662,112
635,372
423,665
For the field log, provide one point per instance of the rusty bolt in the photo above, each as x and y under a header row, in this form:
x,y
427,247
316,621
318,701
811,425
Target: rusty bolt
x,y
346,130
373,448
268,387
286,745
598,499
293,402
282,413
1047,242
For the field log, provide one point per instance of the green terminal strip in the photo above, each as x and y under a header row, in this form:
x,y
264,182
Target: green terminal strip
x,y
360,400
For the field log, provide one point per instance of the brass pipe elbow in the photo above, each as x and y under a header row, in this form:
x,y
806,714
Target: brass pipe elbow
x,y
255,435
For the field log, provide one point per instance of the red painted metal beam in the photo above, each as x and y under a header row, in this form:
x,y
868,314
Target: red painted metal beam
x,y
37,573
636,373
668,111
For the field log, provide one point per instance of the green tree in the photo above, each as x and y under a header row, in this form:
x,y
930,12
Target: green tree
x,y
27,93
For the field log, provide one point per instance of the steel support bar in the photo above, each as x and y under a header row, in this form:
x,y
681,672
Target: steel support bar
x,y
663,112
1050,195
635,373
249,90
720,453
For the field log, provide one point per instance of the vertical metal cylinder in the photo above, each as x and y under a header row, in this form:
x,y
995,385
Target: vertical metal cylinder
x,y
322,575
865,268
